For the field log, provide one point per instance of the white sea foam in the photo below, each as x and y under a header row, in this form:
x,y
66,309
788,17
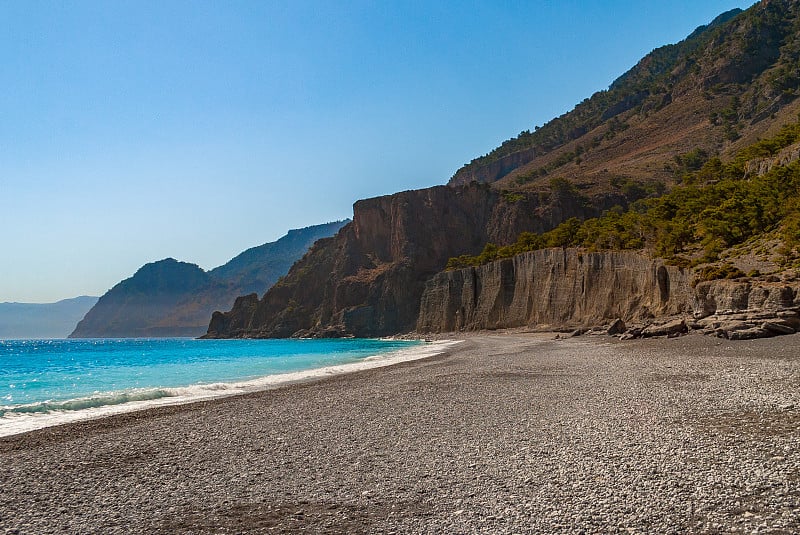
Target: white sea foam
x,y
26,418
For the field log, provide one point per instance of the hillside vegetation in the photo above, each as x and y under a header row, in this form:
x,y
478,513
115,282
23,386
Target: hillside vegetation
x,y
717,91
717,206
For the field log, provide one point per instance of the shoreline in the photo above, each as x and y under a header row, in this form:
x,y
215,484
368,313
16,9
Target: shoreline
x,y
501,433
17,423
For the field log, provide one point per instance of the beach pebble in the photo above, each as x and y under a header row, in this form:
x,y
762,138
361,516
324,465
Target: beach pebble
x,y
509,434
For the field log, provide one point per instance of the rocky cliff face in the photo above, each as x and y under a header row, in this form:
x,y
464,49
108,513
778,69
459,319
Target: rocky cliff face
x,y
724,297
495,170
555,288
564,288
368,280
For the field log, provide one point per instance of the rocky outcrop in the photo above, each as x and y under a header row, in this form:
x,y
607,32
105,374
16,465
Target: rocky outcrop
x,y
741,310
369,279
493,171
570,289
553,288
762,166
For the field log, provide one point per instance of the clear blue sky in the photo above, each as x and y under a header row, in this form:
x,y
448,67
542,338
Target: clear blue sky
x,y
134,131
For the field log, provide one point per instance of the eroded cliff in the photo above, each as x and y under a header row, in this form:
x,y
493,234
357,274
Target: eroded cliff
x,y
569,288
368,279
554,288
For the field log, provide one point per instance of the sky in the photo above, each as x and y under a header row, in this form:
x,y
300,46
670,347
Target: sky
x,y
132,131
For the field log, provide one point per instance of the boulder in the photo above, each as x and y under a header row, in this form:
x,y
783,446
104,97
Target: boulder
x,y
617,327
778,327
671,328
748,334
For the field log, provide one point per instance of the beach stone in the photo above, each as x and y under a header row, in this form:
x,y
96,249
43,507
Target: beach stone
x,y
778,327
616,327
748,334
665,329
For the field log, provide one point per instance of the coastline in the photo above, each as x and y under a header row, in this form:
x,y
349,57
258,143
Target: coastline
x,y
501,433
14,424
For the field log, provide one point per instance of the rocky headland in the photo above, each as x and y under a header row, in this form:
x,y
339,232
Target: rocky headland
x,y
714,114
368,279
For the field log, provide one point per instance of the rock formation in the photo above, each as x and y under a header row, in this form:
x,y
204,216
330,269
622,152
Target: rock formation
x,y
556,288
367,281
570,289
708,96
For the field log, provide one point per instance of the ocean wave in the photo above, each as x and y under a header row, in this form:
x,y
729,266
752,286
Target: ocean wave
x,y
102,400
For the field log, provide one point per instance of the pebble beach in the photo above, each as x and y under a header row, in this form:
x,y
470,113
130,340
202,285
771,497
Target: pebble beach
x,y
503,433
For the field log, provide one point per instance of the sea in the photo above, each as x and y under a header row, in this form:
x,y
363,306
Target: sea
x,y
49,382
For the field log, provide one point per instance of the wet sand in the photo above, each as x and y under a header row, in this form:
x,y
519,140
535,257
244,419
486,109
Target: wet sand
x,y
503,434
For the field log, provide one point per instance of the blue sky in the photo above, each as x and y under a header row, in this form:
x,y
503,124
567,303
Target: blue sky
x,y
135,131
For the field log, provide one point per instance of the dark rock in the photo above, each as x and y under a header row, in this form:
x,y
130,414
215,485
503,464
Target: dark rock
x,y
778,327
671,328
616,327
749,334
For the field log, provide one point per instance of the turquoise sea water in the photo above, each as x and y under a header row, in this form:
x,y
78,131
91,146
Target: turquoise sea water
x,y
41,376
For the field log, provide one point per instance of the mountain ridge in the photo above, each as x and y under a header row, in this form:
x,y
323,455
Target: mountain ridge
x,y
173,298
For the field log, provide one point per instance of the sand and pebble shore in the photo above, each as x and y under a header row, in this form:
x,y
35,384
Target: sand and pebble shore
x,y
506,433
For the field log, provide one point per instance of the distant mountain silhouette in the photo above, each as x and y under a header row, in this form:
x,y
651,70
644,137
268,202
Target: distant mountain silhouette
x,y
42,320
172,298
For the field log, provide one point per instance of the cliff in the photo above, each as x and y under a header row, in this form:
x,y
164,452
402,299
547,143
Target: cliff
x,y
555,288
681,107
367,281
172,298
568,288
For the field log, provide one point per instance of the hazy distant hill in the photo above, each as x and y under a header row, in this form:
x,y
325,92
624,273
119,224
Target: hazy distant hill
x,y
42,320
172,298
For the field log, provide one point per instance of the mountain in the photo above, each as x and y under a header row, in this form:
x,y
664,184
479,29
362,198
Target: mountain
x,y
661,161
172,298
717,91
42,320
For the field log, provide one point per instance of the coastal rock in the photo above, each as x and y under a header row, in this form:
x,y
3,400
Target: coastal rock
x,y
747,334
671,328
555,287
368,280
778,327
567,288
616,327
730,297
